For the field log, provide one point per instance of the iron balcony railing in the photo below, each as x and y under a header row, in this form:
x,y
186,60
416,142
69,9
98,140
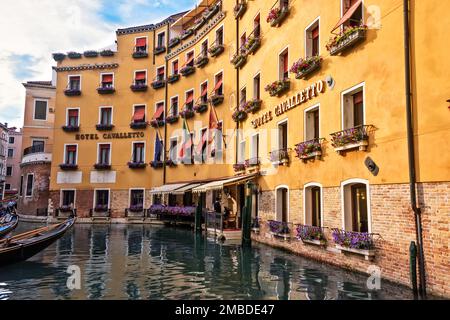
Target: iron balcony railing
x,y
349,136
34,149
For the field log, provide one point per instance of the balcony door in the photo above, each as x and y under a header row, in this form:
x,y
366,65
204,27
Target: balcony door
x,y
359,208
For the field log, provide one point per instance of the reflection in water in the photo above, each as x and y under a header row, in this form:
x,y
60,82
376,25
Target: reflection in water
x,y
152,262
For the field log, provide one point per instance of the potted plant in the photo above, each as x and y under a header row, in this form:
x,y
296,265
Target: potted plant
x,y
90,54
346,39
187,70
240,9
138,125
157,164
201,107
140,54
158,84
139,87
102,166
104,127
304,67
157,123
187,33
187,114
252,44
239,167
351,138
106,90
68,167
279,228
159,50
71,128
136,208
210,12
173,78
239,59
252,106
354,242
136,165
309,149
172,119
216,50
174,42
199,23
101,208
107,53
201,61
216,99
277,15
74,55
58,57
239,116
311,234
278,87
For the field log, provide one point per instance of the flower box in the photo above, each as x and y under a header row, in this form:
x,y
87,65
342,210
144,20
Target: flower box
x,y
253,106
71,128
252,163
239,116
157,164
187,114
187,33
304,67
107,53
239,167
139,87
216,99
199,23
174,42
137,165
240,9
72,92
309,150
59,57
201,61
346,39
158,84
211,12
280,157
68,167
102,166
106,90
216,50
159,50
239,60
171,163
311,235
140,54
90,54
252,44
279,229
354,138
74,55
277,88
138,125
104,127
368,254
157,123
187,71
277,15
173,78
136,209
172,119
200,108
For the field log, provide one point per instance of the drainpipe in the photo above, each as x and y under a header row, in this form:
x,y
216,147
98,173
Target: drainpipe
x,y
237,91
166,105
411,150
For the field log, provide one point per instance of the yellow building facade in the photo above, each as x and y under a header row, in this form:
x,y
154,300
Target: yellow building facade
x,y
324,139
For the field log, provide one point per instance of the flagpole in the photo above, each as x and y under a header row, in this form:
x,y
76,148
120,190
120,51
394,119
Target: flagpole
x,y
217,117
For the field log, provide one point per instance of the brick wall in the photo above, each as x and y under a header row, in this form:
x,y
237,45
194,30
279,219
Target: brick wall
x,y
392,219
41,183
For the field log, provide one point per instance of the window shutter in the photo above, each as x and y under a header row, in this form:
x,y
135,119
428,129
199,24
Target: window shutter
x,y
141,42
71,148
139,114
358,98
73,113
107,78
285,62
141,75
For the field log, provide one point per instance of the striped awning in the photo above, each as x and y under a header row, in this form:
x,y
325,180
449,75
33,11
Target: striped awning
x,y
219,185
187,188
168,188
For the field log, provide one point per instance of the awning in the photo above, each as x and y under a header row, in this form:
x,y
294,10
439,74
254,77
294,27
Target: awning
x,y
348,14
185,189
141,42
168,188
159,112
219,185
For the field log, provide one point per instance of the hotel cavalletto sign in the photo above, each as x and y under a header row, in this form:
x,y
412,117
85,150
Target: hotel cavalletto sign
x,y
110,136
301,97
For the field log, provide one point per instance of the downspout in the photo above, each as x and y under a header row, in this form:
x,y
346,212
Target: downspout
x,y
166,104
237,91
411,150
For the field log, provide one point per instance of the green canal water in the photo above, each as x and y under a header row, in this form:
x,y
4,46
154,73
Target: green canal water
x,y
152,262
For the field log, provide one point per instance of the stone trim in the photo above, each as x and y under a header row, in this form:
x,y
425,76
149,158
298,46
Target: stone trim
x,y
87,67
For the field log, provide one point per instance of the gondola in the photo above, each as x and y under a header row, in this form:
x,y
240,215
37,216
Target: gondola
x,y
24,246
8,223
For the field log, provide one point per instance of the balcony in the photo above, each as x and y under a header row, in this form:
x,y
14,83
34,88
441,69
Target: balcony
x,y
135,211
139,125
311,235
173,78
159,50
280,157
35,154
280,229
157,164
158,84
311,149
346,39
174,42
239,59
102,166
104,89
157,123
71,128
216,49
68,167
72,92
137,165
252,163
240,9
355,242
187,33
172,119
139,87
278,88
211,12
239,116
252,106
303,68
216,99
140,54
187,71
349,139
239,168
201,107
199,23
104,127
187,113
202,60
278,14
33,150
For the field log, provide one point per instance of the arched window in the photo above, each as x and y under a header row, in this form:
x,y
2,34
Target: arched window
x,y
282,203
356,205
312,204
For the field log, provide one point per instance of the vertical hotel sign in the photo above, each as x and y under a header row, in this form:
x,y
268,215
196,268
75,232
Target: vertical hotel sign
x,y
301,97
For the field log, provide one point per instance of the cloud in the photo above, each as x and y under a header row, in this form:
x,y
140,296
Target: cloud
x,y
34,29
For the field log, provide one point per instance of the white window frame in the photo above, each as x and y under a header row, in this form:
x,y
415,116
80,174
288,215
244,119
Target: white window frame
x,y
307,30
136,189
254,148
109,196
100,113
185,95
12,171
110,151
105,74
178,107
280,73
348,183
46,109
146,75
177,139
61,193
67,115
254,87
222,26
65,151
145,149
157,39
26,186
161,67
342,12
353,89
223,80
286,120
310,186
305,112
73,76
172,66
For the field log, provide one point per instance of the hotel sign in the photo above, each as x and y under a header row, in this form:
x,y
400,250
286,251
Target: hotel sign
x,y
110,136
302,97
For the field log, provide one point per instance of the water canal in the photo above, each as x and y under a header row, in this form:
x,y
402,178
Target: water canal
x,y
152,262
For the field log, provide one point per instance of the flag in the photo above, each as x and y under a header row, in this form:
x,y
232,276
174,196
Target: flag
x,y
213,125
187,137
158,148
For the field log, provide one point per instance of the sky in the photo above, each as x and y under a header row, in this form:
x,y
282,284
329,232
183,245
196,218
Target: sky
x,y
31,30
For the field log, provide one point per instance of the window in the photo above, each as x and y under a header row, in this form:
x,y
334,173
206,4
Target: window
x,y
313,205
138,152
312,40
173,149
137,198
202,144
139,114
219,36
357,16
204,92
40,110
10,153
243,39
104,154
283,136
243,98
68,198
257,26
21,186
312,124
284,65
74,82
257,87
190,59
72,117
175,67
282,196
174,106
284,4
205,48
106,116
7,186
218,140
102,198
161,73
107,81
356,206
241,158
190,99
9,171
38,145
29,190
218,89
71,154
11,140
159,111
353,108
161,39
141,45
255,148
140,77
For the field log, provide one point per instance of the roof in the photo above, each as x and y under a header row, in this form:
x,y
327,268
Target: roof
x,y
39,84
150,27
